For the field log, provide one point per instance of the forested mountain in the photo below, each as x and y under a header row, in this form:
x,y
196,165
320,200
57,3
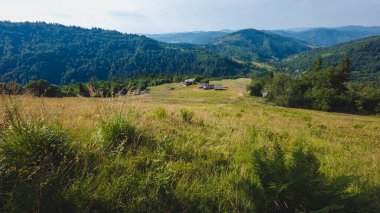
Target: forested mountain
x,y
189,37
363,54
331,36
255,45
63,55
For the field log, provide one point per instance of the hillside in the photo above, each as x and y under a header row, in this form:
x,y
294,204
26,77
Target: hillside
x,y
63,55
189,37
255,45
182,149
325,37
364,56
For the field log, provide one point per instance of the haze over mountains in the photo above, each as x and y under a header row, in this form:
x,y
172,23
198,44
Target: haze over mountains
x,y
313,36
200,37
331,36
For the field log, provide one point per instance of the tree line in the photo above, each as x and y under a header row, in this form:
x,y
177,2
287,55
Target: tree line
x,y
93,88
325,89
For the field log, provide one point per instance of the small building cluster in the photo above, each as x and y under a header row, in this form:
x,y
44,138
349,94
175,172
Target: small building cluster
x,y
207,86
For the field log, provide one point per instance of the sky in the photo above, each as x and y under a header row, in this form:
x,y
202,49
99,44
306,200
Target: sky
x,y
164,16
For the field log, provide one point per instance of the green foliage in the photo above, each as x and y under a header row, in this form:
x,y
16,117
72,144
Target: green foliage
x,y
118,133
255,88
43,88
294,183
186,115
253,45
325,89
11,88
37,164
363,54
366,95
281,89
159,113
67,55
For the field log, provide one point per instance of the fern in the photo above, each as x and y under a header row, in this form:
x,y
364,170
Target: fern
x,y
295,183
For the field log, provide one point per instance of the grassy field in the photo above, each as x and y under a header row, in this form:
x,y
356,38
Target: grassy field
x,y
194,161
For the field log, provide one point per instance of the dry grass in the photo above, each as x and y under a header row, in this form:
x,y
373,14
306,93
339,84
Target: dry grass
x,y
345,144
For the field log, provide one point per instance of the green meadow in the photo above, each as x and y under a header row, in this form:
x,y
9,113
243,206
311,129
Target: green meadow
x,y
183,149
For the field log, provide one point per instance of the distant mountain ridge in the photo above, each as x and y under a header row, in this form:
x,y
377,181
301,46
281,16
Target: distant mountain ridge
x,y
364,55
62,55
325,37
256,45
321,36
199,37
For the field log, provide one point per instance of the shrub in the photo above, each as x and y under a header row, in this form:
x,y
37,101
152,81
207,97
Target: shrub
x,y
281,89
295,184
43,88
186,115
255,88
118,133
36,165
159,113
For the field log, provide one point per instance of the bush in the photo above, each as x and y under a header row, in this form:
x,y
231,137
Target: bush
x,y
43,88
320,89
118,133
295,184
255,88
159,113
281,90
36,165
186,115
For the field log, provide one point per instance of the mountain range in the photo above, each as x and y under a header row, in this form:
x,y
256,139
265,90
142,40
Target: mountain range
x,y
321,37
364,55
62,54
199,37
255,45
325,37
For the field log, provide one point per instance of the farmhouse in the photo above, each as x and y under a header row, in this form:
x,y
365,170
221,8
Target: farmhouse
x,y
207,86
188,82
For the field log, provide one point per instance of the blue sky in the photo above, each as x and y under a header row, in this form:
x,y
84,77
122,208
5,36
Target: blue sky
x,y
162,16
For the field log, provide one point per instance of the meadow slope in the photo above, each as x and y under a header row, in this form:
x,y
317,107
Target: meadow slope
x,y
210,153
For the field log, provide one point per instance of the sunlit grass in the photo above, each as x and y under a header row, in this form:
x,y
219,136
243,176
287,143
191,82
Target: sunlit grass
x,y
202,156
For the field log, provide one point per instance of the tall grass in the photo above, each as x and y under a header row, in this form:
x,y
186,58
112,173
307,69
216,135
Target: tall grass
x,y
136,163
117,133
37,164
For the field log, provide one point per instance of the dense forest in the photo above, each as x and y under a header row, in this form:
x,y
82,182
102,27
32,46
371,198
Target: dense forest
x,y
64,55
326,89
255,45
363,54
